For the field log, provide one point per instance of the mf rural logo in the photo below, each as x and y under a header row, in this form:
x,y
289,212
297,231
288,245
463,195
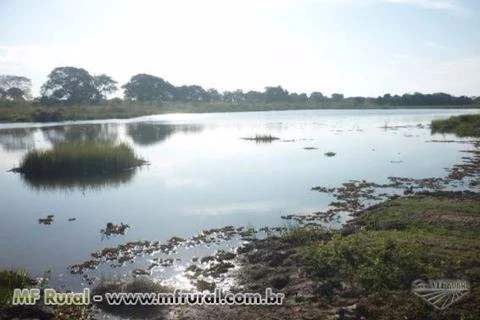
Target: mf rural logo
x,y
441,294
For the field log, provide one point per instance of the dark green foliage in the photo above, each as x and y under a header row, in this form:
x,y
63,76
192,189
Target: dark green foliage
x,y
462,126
10,280
431,237
104,85
145,87
70,85
79,159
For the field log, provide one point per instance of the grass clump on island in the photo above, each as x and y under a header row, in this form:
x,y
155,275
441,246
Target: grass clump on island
x,y
463,125
10,280
261,138
80,159
388,247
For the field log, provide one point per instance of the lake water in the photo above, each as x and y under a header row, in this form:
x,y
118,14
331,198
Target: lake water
x,y
203,175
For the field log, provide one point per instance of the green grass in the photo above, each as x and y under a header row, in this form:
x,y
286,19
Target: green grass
x,y
26,111
462,126
399,241
79,159
298,235
9,280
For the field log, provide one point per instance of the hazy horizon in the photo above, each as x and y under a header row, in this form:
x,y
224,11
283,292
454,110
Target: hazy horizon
x,y
358,48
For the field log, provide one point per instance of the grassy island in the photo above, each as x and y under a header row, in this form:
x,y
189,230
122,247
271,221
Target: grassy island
x,y
79,160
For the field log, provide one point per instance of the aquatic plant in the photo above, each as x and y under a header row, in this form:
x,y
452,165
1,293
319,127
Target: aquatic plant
x,y
79,159
467,125
261,138
114,229
11,279
47,220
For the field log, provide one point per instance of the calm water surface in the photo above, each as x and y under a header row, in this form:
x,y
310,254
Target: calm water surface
x,y
203,175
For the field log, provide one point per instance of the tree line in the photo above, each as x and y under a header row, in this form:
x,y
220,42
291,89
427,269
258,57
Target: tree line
x,y
70,85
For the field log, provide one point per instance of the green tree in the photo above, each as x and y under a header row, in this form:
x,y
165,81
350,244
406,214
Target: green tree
x,y
337,97
105,85
317,97
214,95
15,93
192,93
145,87
255,96
10,81
275,94
69,85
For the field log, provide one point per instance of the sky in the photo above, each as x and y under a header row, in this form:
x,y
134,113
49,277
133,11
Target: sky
x,y
354,47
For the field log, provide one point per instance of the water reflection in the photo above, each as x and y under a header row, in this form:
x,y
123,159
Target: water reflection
x,y
17,139
70,183
145,134
105,132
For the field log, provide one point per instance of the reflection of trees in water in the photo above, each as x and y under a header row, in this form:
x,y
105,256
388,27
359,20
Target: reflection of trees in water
x,y
98,132
82,182
17,139
145,134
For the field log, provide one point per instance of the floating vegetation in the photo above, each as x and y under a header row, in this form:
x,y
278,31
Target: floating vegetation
x,y
354,196
72,219
330,154
47,220
118,256
310,148
114,229
79,159
259,138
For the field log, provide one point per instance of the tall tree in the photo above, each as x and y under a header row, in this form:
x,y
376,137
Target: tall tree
x,y
70,85
274,94
145,87
337,97
22,83
192,93
104,85
317,97
15,93
214,95
254,96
